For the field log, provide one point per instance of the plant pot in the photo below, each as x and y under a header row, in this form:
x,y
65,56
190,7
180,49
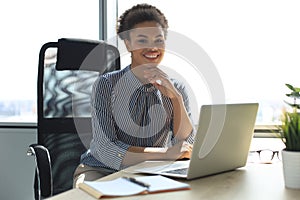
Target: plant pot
x,y
291,169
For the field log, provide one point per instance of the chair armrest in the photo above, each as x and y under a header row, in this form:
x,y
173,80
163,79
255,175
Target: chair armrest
x,y
43,178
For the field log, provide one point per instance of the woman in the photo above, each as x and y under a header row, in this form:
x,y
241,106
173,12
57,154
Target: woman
x,y
138,113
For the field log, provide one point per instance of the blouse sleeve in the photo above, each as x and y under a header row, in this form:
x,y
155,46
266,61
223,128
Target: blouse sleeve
x,y
105,145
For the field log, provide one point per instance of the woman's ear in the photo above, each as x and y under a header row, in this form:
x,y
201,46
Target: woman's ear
x,y
128,45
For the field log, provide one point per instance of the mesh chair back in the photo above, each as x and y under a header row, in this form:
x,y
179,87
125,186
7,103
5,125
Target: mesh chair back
x,y
67,71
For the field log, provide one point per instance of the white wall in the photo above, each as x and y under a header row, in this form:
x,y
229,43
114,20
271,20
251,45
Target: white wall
x,y
16,168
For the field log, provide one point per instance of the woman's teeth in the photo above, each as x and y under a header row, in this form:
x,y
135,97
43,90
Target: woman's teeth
x,y
151,56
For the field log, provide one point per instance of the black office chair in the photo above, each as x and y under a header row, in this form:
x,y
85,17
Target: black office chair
x,y
66,73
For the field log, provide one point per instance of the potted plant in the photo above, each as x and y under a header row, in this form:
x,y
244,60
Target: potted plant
x,y
289,132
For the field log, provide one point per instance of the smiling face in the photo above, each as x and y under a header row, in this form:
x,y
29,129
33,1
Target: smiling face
x,y
146,44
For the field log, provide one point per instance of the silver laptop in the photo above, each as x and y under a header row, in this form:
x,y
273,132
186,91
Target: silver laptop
x,y
221,144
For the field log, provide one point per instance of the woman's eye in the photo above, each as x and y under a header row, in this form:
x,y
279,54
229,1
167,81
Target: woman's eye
x,y
159,41
142,41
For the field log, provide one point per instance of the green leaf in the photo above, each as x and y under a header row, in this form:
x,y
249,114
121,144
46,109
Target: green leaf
x,y
290,87
296,89
293,94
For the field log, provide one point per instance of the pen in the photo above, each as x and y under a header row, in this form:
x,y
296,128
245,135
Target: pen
x,y
133,180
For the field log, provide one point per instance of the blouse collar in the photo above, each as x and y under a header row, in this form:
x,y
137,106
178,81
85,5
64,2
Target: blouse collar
x,y
137,83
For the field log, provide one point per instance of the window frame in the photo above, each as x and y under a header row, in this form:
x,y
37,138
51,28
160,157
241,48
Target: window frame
x,y
102,14
110,8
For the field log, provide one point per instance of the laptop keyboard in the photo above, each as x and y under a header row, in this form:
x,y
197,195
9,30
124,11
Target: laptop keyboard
x,y
182,171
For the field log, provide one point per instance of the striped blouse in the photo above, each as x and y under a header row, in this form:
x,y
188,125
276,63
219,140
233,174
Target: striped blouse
x,y
127,113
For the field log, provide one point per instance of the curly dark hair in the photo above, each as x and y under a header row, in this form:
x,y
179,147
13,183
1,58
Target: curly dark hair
x,y
138,14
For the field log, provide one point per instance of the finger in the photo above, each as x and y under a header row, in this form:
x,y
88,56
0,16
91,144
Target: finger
x,y
156,80
185,155
155,72
186,149
159,82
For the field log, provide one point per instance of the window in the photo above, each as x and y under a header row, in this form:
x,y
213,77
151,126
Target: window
x,y
254,45
26,26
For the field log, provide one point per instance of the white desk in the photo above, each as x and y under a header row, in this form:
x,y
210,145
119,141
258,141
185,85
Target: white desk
x,y
253,182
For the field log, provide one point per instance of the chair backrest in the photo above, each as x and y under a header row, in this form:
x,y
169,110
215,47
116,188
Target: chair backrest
x,y
67,71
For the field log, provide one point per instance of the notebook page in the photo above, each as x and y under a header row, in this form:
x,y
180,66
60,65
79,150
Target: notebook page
x,y
160,183
117,187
